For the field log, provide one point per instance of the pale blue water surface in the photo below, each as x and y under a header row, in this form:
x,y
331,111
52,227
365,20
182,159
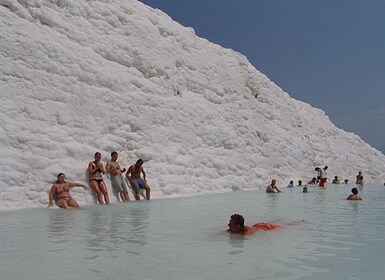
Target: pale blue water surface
x,y
185,238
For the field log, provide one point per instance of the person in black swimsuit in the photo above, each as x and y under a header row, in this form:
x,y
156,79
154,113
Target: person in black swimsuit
x,y
95,171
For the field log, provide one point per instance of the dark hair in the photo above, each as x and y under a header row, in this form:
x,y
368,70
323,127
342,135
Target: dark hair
x,y
139,161
114,153
58,175
354,191
97,153
238,219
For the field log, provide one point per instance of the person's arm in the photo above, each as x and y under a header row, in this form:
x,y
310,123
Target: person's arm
x,y
277,189
101,168
108,167
129,171
75,184
92,168
51,194
144,174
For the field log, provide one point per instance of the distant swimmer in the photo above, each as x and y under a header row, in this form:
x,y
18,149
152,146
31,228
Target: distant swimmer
x,y
290,185
300,183
60,193
95,172
272,188
313,181
336,180
304,190
354,195
359,178
237,225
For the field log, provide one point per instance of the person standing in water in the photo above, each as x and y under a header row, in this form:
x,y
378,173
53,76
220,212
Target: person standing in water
x,y
354,195
323,176
136,182
359,178
60,193
117,182
95,172
272,188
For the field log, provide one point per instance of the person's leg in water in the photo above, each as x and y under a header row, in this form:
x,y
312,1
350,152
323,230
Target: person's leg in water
x,y
94,185
147,189
62,203
126,196
72,203
104,191
134,187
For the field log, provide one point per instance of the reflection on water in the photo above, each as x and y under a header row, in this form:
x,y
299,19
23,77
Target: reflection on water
x,y
60,225
184,238
110,230
236,242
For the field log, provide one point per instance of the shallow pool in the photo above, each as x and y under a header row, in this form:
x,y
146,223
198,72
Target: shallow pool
x,y
185,238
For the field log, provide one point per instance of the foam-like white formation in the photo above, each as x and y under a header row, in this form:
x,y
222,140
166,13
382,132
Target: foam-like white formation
x,y
78,77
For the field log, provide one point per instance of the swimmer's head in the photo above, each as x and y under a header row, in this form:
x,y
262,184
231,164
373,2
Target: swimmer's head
x,y
236,223
354,191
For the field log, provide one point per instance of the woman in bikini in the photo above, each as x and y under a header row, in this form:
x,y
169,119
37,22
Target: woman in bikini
x,y
60,192
95,171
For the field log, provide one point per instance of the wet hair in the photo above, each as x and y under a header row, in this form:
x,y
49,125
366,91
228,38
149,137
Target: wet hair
x,y
114,153
139,161
238,219
326,167
97,153
58,175
354,191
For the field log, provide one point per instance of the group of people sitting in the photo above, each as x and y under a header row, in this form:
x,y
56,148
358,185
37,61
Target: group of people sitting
x,y
60,189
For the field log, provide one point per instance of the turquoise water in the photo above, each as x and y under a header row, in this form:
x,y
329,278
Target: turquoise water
x,y
185,238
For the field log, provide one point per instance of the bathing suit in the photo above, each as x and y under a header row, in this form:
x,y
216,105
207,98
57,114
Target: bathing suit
x,y
68,198
139,182
59,191
118,183
265,226
98,180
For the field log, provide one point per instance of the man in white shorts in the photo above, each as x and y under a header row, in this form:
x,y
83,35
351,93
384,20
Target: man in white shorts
x,y
117,182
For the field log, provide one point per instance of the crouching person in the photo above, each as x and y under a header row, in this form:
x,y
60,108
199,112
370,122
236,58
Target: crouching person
x,y
134,178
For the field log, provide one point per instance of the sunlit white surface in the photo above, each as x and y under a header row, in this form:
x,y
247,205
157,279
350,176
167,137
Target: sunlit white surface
x,y
323,236
78,77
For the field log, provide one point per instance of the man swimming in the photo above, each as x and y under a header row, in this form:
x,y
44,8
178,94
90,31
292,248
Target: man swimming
x,y
237,225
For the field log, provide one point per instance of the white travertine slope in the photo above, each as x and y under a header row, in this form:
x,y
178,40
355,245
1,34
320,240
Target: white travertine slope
x,y
78,77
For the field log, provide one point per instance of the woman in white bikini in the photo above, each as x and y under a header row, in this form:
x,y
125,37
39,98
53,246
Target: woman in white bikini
x,y
60,192
95,171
